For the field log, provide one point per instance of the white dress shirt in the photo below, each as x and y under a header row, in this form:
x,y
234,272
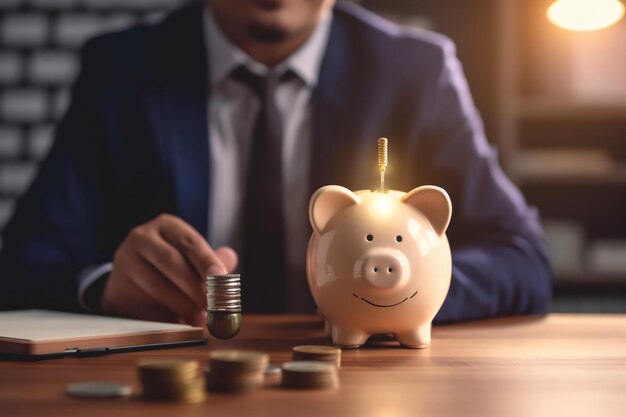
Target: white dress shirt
x,y
232,111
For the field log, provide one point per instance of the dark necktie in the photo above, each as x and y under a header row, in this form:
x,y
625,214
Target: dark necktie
x,y
263,259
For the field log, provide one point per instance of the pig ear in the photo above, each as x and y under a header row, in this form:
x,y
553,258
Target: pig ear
x,y
326,202
434,203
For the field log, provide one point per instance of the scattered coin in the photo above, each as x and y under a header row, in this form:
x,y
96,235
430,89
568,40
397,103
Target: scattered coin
x,y
175,380
319,353
97,389
235,370
309,374
272,369
238,360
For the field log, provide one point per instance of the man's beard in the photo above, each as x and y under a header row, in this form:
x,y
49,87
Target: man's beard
x,y
268,34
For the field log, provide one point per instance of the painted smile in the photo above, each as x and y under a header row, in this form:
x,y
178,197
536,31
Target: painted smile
x,y
384,305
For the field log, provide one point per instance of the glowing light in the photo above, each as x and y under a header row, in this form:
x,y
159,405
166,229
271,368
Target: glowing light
x,y
382,205
585,15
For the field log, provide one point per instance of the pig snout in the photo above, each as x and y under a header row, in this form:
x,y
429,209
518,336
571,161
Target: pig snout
x,y
384,268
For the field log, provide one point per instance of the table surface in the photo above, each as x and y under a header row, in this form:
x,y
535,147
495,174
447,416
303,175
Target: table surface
x,y
558,365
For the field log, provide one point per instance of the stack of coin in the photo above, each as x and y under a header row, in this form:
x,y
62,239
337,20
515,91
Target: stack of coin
x,y
175,380
309,374
319,353
223,305
236,370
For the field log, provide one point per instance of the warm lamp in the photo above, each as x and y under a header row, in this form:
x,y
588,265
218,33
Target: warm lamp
x,y
585,15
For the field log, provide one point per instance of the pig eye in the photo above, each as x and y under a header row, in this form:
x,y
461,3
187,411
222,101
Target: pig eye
x,y
398,238
369,238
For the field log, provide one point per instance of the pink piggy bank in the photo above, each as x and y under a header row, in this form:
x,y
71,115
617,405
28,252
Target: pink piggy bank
x,y
379,262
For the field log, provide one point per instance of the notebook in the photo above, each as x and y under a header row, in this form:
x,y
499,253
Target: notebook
x,y
42,334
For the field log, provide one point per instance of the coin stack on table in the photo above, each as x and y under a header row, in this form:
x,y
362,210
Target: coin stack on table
x,y
175,380
319,353
310,375
236,370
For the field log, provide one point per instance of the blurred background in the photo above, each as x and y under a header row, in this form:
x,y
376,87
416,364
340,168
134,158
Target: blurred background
x,y
553,101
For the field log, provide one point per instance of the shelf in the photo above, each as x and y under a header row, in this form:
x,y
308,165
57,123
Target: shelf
x,y
590,280
615,176
563,108
559,180
590,290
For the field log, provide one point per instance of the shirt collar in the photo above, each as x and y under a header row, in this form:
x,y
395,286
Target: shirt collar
x,y
224,56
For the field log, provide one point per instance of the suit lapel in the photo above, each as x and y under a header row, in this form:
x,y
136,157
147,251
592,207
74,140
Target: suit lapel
x,y
183,96
329,103
340,151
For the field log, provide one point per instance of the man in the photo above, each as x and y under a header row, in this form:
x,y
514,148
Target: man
x,y
175,118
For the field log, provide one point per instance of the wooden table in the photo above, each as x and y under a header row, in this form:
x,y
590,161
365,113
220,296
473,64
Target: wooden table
x,y
560,365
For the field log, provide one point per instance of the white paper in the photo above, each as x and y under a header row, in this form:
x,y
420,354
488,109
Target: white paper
x,y
44,325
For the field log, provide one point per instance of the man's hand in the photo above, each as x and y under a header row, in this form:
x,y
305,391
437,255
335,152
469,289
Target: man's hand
x,y
158,272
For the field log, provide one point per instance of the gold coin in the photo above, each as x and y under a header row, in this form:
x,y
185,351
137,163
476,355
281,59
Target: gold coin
x,y
318,350
309,374
237,361
169,365
317,353
176,380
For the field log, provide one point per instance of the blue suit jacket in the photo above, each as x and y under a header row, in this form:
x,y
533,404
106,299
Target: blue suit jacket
x,y
134,144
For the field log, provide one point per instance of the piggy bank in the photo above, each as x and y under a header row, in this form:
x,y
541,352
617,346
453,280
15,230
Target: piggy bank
x,y
379,263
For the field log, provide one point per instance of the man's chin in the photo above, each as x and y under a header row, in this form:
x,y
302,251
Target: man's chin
x,y
270,4
268,34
